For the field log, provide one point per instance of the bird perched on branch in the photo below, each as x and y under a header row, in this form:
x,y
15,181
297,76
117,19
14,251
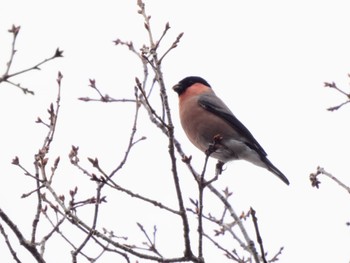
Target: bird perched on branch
x,y
207,122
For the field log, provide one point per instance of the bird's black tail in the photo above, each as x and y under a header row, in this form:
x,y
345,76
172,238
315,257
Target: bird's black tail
x,y
275,171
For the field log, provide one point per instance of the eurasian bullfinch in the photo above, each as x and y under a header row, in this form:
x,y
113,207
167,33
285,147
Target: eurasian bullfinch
x,y
204,117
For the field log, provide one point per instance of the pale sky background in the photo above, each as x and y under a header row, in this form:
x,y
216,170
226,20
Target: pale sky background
x,y
266,59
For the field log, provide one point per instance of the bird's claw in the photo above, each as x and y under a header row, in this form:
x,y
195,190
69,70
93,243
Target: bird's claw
x,y
219,169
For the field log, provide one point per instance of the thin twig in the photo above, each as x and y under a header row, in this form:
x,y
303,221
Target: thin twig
x,y
338,106
227,252
131,138
151,243
7,76
167,27
145,199
321,170
58,54
201,187
258,236
14,30
103,98
275,257
174,45
334,86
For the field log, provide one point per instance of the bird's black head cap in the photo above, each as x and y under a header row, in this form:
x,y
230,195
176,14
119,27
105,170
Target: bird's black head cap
x,y
187,82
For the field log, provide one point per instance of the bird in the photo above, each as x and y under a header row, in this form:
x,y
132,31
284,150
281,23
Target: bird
x,y
207,120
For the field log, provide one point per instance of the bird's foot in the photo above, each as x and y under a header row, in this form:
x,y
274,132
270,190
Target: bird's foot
x,y
219,169
213,146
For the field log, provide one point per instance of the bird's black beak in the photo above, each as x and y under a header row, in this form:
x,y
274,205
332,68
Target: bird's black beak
x,y
177,88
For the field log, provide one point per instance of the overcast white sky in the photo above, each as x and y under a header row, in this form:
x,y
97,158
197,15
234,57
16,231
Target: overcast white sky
x,y
266,59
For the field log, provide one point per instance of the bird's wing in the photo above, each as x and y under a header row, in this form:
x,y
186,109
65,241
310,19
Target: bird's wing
x,y
216,106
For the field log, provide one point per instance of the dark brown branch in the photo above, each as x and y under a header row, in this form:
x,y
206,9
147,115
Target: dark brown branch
x,y
22,240
8,243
